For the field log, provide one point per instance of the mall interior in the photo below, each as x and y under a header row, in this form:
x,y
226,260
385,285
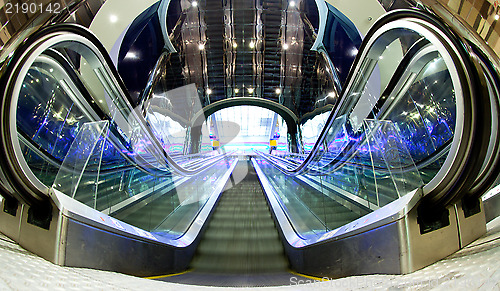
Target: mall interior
x,y
249,143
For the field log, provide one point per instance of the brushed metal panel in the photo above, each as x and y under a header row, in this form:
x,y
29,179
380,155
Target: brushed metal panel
x,y
425,249
373,252
90,247
42,242
492,207
10,225
472,227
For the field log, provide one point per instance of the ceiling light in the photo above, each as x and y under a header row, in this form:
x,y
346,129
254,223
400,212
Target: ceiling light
x,y
278,91
131,55
292,3
252,44
236,90
194,3
332,94
285,46
250,90
209,91
201,46
497,16
235,45
113,18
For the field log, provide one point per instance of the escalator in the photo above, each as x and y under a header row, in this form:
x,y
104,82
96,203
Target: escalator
x,y
436,103
77,146
56,86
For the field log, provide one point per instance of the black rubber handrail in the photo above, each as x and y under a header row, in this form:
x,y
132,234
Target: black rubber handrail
x,y
70,70
12,171
489,177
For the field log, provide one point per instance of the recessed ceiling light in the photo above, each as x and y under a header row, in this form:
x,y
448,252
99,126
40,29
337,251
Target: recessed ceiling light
x,y
194,3
292,3
131,55
113,18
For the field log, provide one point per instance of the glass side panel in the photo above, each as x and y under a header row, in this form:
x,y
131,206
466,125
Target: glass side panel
x,y
371,173
158,201
82,163
46,113
291,193
172,205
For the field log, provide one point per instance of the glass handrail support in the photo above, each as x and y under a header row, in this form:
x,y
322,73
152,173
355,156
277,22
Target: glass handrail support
x,y
370,178
304,225
185,204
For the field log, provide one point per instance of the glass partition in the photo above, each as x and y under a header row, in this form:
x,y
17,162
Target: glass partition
x,y
376,172
160,202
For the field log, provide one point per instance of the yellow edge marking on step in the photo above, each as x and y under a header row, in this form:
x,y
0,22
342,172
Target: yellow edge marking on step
x,y
309,277
168,275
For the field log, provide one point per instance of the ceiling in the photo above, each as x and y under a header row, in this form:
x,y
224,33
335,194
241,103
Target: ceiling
x,y
229,49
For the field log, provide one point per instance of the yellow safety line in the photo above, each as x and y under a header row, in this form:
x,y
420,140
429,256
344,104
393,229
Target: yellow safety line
x,y
309,277
169,275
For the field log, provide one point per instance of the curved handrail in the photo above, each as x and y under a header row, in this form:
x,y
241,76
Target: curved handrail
x,y
491,165
15,171
469,139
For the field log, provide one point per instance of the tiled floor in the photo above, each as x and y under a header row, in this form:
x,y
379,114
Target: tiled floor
x,y
476,267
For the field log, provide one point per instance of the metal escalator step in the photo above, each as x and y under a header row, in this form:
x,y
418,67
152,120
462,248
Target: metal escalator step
x,y
241,236
240,206
243,215
255,247
241,223
239,264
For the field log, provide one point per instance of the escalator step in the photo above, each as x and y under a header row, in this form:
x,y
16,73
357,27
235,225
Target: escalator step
x,y
241,236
